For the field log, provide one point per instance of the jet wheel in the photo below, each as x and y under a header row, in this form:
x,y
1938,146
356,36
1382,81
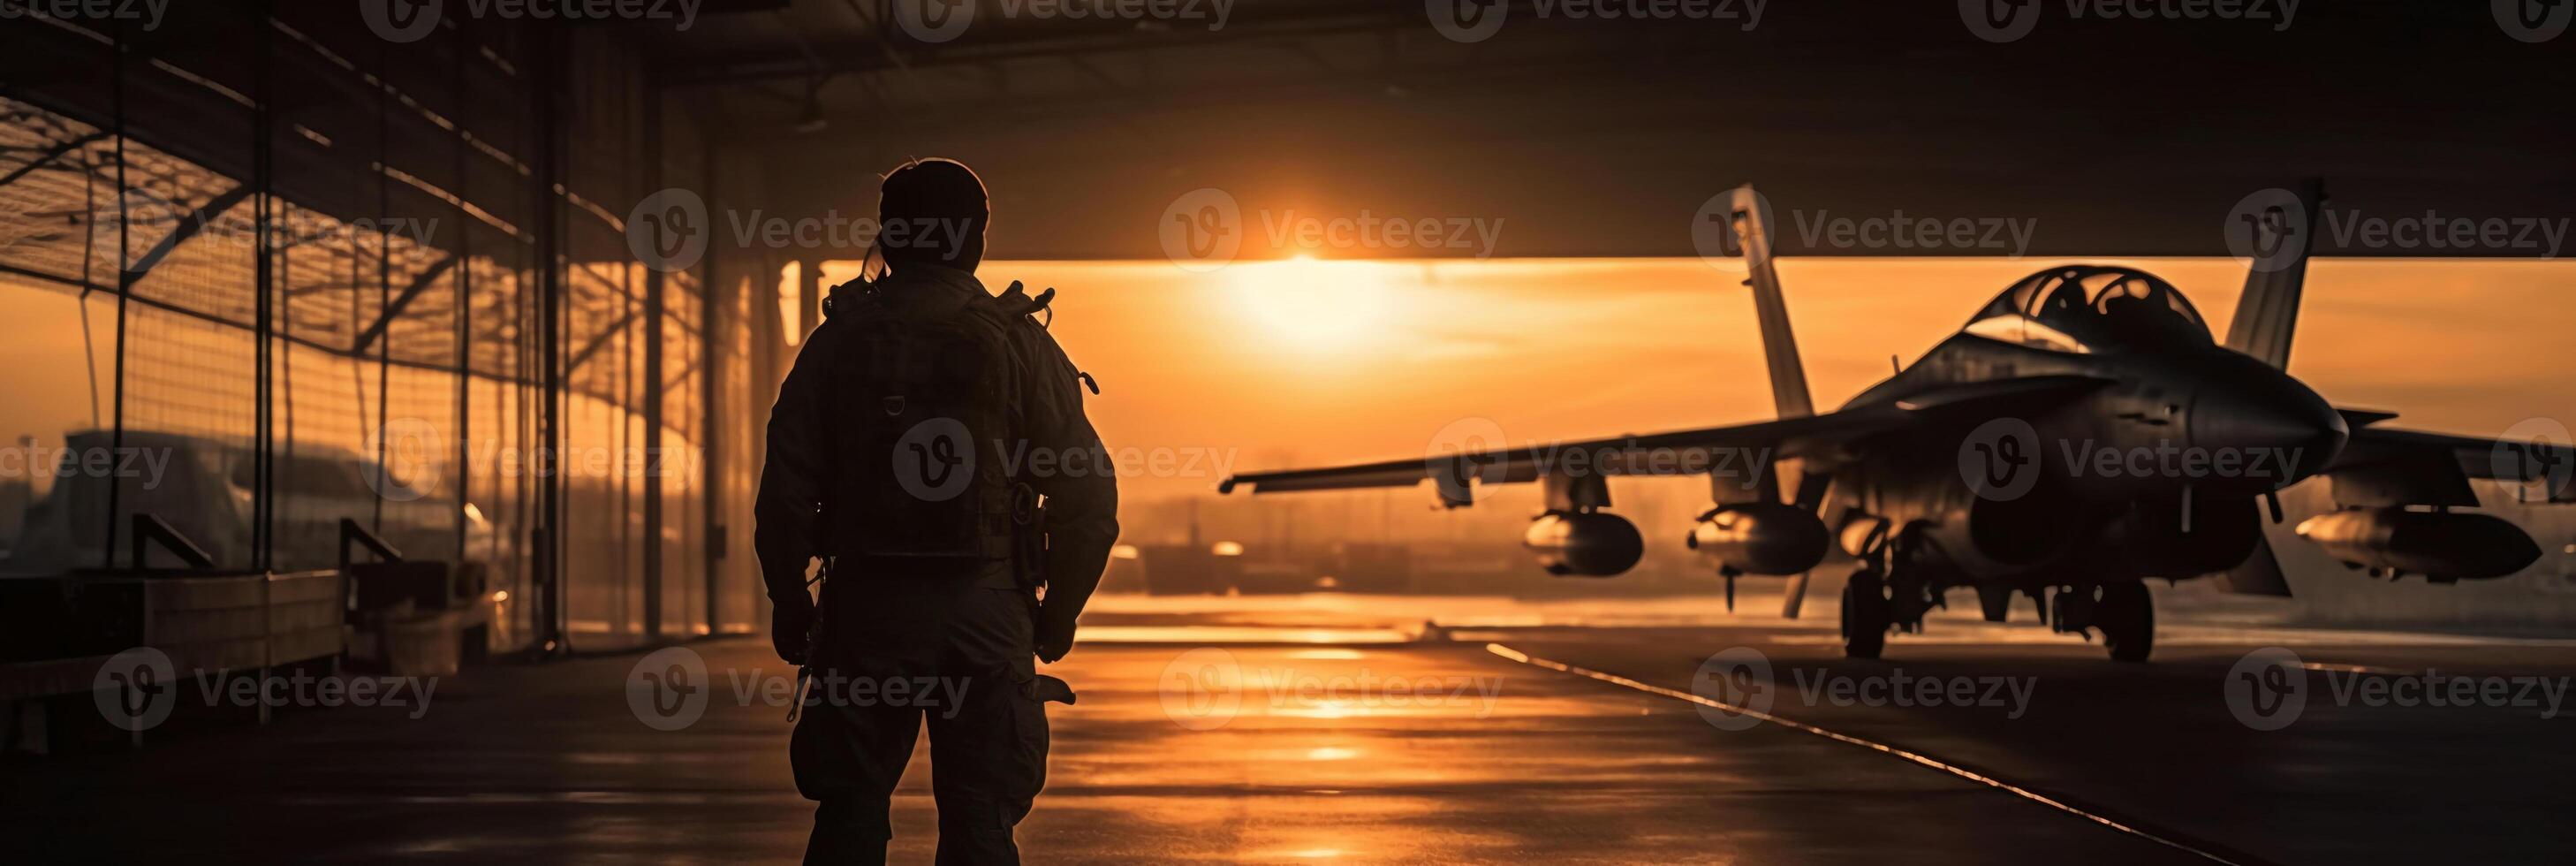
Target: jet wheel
x,y
1865,615
2126,615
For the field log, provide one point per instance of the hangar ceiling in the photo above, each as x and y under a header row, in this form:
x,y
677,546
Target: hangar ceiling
x,y
1593,137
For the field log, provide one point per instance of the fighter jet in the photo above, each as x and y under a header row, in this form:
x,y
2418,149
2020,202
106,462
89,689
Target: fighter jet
x,y
2083,433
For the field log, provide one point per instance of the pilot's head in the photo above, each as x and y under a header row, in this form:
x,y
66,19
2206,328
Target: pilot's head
x,y
932,211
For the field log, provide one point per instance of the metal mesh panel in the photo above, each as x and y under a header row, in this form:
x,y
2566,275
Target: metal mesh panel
x,y
406,207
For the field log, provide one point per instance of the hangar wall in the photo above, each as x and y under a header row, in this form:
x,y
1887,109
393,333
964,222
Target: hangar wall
x,y
328,275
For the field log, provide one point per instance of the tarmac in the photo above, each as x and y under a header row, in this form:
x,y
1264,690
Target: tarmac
x,y
1972,744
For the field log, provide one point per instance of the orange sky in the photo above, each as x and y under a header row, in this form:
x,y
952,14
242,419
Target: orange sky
x,y
1267,364
1273,363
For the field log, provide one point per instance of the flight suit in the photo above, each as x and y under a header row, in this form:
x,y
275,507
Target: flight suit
x,y
972,639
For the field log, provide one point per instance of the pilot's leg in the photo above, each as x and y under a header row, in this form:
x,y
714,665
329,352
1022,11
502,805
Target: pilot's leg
x,y
988,759
848,759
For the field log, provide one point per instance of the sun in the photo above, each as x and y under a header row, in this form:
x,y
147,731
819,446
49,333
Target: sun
x,y
1316,305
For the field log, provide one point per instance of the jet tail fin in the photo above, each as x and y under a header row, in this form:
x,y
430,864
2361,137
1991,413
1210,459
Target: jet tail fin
x,y
1750,218
2279,236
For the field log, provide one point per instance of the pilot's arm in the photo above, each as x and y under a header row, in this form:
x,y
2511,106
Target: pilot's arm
x,y
791,486
1081,498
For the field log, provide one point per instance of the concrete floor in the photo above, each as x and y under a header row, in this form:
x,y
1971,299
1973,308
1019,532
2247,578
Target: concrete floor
x,y
1306,754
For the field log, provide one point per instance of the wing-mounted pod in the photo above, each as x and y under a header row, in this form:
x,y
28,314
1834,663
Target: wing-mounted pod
x,y
1766,538
2442,545
2398,496
1574,537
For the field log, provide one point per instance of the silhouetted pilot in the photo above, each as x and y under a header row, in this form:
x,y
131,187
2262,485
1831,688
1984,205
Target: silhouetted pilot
x,y
901,451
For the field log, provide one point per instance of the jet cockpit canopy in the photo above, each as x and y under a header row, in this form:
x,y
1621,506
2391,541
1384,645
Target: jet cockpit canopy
x,y
2080,308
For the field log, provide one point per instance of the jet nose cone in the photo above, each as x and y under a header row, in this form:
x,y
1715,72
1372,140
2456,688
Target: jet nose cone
x,y
2273,429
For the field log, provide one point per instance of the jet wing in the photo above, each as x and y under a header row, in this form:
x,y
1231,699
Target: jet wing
x,y
1815,438
2387,466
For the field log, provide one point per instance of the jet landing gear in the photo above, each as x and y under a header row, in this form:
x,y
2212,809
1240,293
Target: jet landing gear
x,y
2123,611
2127,617
1865,614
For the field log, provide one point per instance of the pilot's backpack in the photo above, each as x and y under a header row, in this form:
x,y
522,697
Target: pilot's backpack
x,y
925,424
